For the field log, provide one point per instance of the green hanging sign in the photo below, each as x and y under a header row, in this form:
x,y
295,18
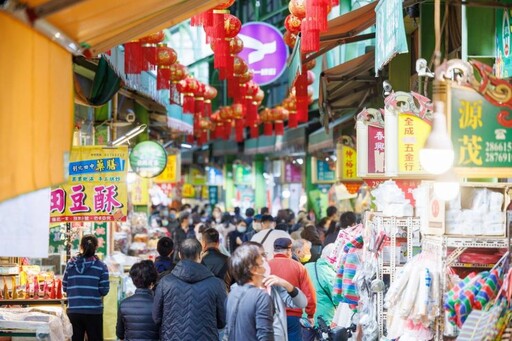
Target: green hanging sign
x,y
148,159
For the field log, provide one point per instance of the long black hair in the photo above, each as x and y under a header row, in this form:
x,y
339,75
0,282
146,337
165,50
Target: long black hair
x,y
89,244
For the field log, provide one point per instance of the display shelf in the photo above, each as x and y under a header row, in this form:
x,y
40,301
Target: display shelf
x,y
31,301
471,265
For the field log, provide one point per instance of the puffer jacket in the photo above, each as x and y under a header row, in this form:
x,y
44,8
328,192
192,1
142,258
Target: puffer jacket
x,y
190,304
323,275
134,320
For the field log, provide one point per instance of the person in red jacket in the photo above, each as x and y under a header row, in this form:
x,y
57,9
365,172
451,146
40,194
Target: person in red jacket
x,y
294,272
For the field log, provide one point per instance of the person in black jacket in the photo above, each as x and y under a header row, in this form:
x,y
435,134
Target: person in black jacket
x,y
134,319
212,258
190,302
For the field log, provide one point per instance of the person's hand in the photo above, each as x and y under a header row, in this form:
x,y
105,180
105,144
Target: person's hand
x,y
275,280
239,241
311,320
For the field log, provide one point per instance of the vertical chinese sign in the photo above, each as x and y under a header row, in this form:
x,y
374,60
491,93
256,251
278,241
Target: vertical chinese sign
x,y
481,135
96,187
407,127
370,142
347,159
170,176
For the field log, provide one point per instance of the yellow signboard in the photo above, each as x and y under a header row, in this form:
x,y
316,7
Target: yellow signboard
x,y
169,175
412,134
188,191
96,187
139,190
349,166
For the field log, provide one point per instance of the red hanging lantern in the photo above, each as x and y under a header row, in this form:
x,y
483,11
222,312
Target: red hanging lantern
x,y
266,117
255,129
279,115
178,72
199,99
239,68
209,94
236,45
292,24
290,39
226,115
150,47
231,26
238,112
290,104
164,59
251,107
133,57
298,8
225,4
188,87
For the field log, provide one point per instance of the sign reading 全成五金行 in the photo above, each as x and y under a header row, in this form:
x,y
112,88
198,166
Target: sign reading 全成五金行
x,y
96,186
481,134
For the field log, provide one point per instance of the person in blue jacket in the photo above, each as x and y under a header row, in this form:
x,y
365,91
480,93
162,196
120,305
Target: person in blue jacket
x,y
134,319
86,282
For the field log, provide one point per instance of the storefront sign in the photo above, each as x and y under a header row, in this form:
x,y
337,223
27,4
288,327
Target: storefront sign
x,y
96,189
242,174
292,172
348,163
139,190
481,138
325,173
214,176
213,195
390,32
148,159
264,51
503,64
169,174
196,176
101,232
376,145
407,127
188,191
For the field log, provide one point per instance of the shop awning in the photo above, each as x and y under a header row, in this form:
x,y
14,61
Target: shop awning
x,y
266,144
294,140
100,25
251,146
320,140
345,29
347,86
223,147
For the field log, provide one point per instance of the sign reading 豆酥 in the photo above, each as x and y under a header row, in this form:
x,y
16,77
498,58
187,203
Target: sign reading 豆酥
x,y
390,32
148,159
96,187
480,133
264,51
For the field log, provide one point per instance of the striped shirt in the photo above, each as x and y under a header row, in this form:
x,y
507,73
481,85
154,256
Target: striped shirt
x,y
85,283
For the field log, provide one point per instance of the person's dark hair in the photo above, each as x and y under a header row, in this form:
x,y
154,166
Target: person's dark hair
x,y
89,244
183,216
210,236
264,210
347,219
267,217
249,212
237,210
226,219
331,210
184,207
203,227
322,222
289,215
242,261
164,246
143,274
190,249
195,209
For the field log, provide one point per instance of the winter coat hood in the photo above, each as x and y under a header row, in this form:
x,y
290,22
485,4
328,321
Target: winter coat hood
x,y
81,263
191,272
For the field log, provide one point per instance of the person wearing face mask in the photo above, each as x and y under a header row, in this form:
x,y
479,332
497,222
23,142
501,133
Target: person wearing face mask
x,y
225,226
268,235
301,250
172,221
255,228
323,275
294,272
216,215
284,295
235,237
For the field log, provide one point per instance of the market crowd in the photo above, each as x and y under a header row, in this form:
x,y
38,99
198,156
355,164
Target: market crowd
x,y
221,276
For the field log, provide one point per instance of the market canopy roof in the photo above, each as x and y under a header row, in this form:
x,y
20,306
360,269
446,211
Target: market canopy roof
x,y
103,24
348,85
345,29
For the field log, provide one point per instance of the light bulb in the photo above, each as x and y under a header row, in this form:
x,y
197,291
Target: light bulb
x,y
286,194
437,155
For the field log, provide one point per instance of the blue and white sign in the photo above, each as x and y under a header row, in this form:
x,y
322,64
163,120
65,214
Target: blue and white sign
x,y
390,32
264,51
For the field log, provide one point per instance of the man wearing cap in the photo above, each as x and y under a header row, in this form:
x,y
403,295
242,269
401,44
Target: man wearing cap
x,y
294,272
268,235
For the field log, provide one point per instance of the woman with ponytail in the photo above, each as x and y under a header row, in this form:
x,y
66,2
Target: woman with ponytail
x,y
85,283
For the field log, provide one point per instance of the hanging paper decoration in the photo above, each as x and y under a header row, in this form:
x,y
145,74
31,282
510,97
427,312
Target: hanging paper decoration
x,y
226,116
267,120
298,8
279,115
149,47
290,104
290,39
178,72
292,24
209,94
166,56
238,111
133,57
187,87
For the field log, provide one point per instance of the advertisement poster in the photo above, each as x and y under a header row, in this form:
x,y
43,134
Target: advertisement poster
x,y
96,188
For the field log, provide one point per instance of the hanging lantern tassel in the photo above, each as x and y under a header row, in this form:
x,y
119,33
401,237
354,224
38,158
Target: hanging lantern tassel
x,y
217,131
199,107
251,111
227,130
174,94
149,52
207,108
239,130
221,57
310,37
133,57
317,10
279,128
293,120
188,103
255,131
163,78
267,128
